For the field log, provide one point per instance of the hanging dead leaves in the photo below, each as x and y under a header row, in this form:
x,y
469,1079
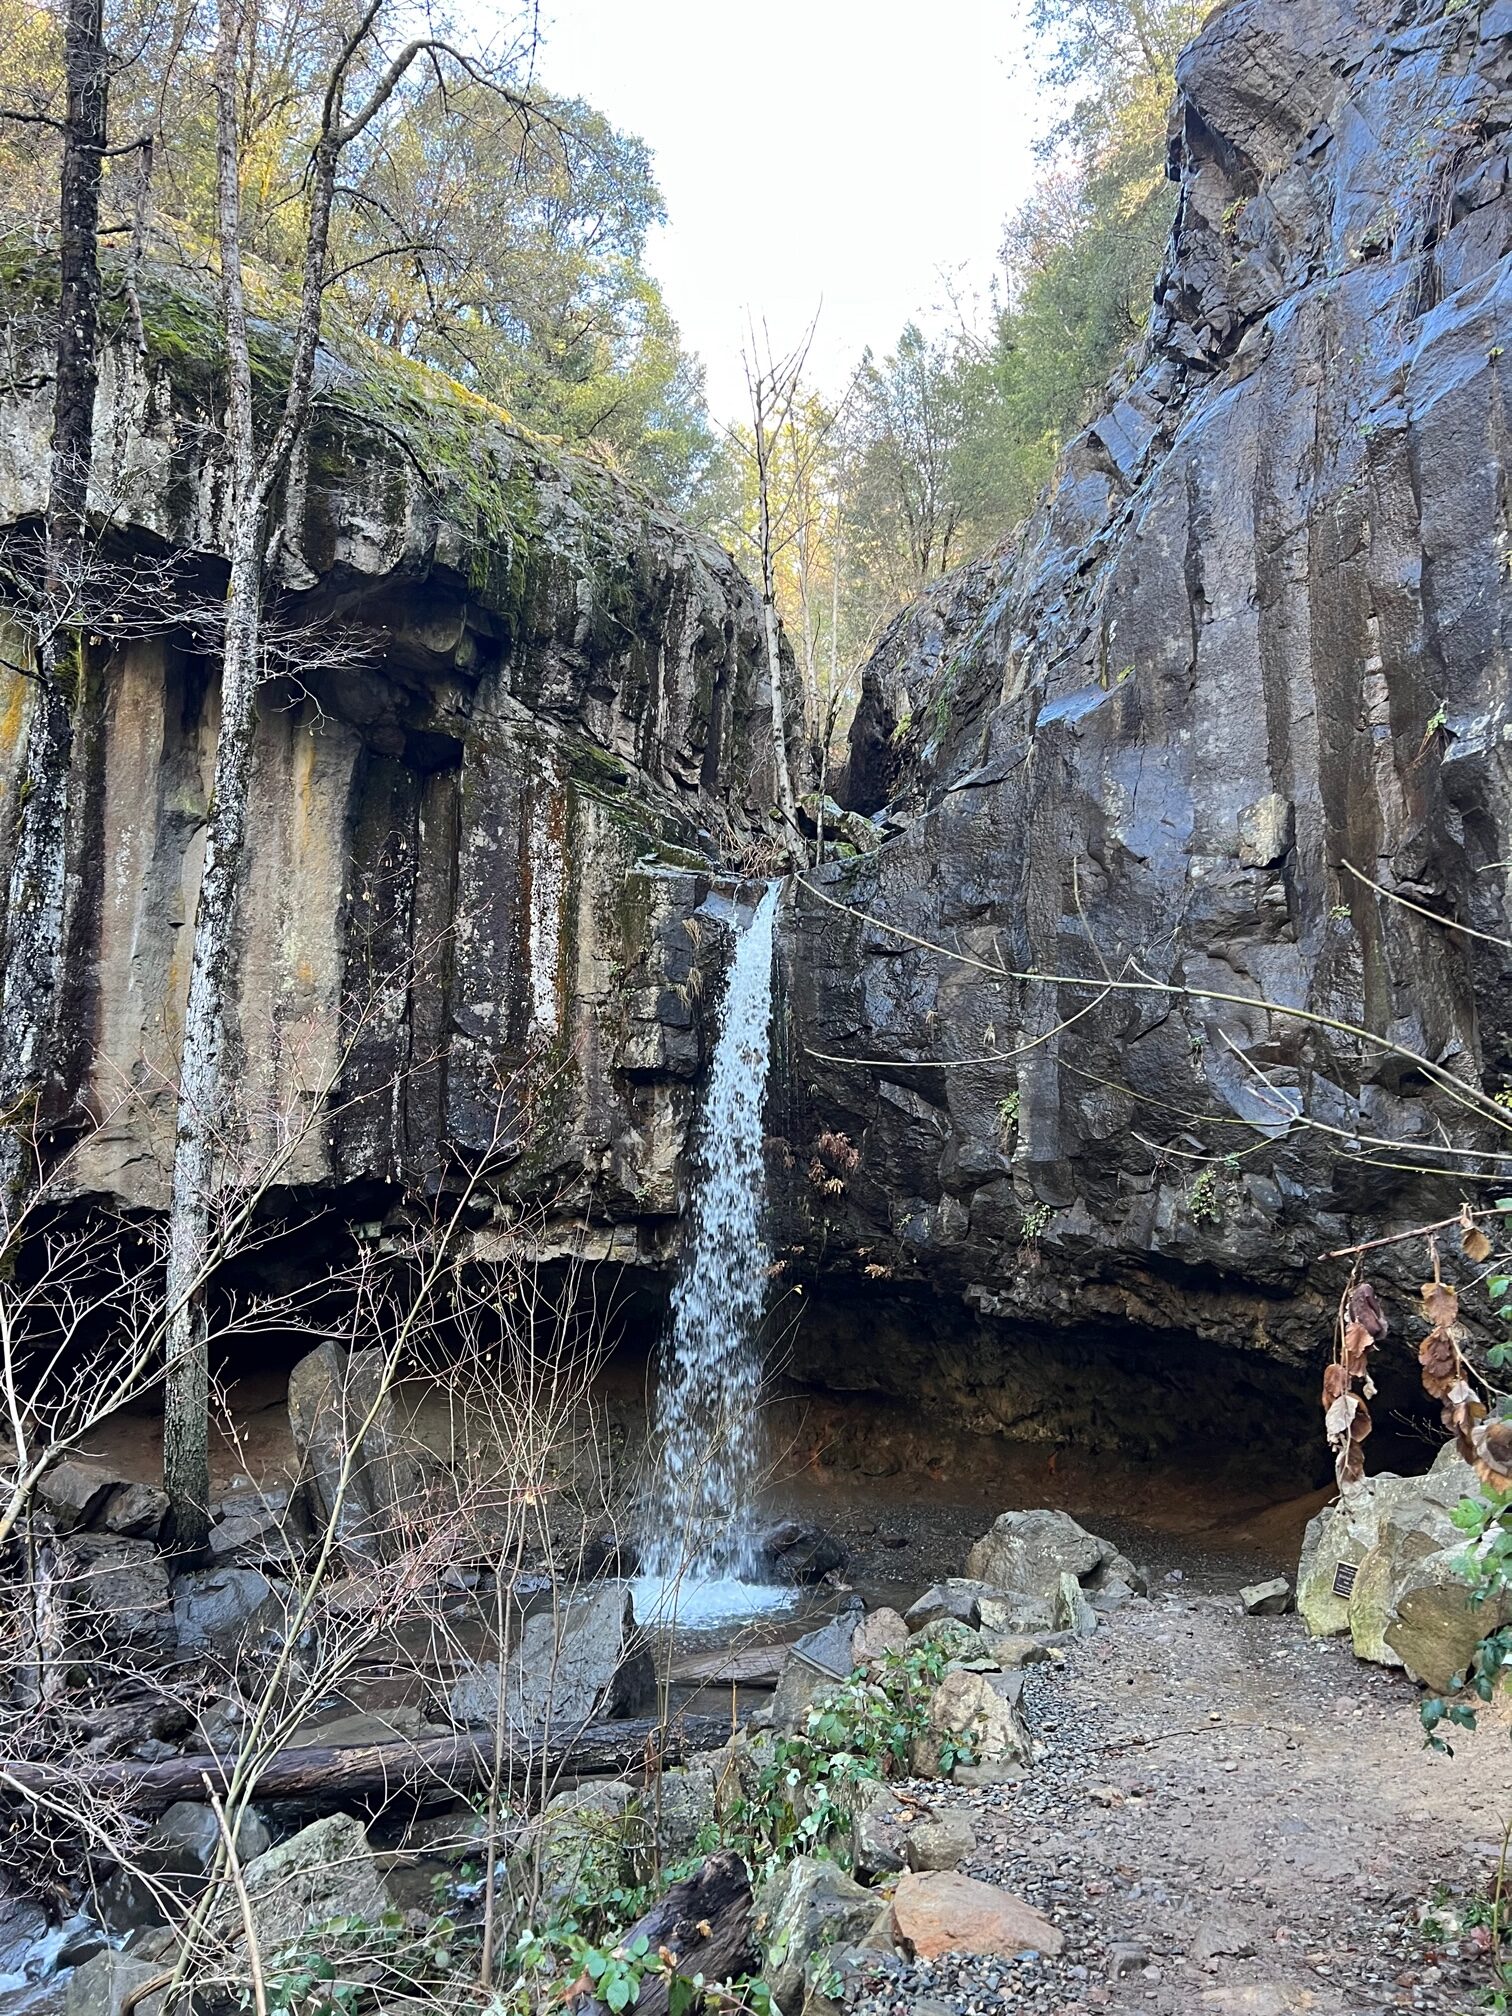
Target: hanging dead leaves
x,y
1347,1384
1481,1435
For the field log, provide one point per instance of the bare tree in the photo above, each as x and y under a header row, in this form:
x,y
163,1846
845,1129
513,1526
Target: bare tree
x,y
773,384
359,86
35,903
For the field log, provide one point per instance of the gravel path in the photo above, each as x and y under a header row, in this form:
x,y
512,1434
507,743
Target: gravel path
x,y
1227,1817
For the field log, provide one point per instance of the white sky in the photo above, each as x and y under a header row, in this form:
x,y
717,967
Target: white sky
x,y
852,151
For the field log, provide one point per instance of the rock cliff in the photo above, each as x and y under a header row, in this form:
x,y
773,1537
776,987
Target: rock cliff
x,y
514,713
1248,659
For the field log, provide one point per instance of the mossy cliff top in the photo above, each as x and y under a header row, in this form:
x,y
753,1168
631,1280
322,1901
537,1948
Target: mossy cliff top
x,y
473,541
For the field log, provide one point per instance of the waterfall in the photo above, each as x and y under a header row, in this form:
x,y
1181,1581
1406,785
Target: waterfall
x,y
699,1548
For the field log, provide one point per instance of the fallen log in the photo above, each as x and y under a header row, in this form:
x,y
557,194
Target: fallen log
x,y
700,1926
376,1771
737,1666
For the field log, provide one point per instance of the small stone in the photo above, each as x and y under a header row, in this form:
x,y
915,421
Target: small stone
x,y
879,1632
1215,1941
940,1843
73,1491
1267,1599
1124,1958
943,1912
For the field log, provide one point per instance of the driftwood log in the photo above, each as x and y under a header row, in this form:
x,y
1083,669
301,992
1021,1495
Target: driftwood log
x,y
377,1771
704,1922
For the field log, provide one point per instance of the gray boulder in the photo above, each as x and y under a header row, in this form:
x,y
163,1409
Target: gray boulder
x,y
225,1610
100,1986
1011,1613
334,1399
136,1510
570,1668
877,1836
255,1528
185,1839
116,1597
1381,1562
957,1597
1071,1610
588,1841
881,1631
961,1645
1030,1551
970,1723
799,1551
74,1491
803,1906
679,1807
324,1872
815,1664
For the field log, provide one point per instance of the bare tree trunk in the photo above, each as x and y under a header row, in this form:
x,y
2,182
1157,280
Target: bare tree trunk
x,y
202,1116
786,802
203,1122
35,899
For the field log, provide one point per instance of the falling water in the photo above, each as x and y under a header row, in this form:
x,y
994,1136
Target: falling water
x,y
700,1553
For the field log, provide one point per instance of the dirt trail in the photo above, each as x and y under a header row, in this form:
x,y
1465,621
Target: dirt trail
x,y
1228,1817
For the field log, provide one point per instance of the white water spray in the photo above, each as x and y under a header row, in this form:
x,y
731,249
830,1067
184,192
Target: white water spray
x,y
700,1554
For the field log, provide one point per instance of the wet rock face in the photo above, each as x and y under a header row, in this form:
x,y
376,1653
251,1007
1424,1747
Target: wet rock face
x,y
1255,639
513,708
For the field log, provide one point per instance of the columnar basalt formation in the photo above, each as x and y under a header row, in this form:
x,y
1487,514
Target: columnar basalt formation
x,y
1249,658
515,711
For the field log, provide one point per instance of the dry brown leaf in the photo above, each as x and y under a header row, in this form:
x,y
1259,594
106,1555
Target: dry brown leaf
x,y
1440,1304
1440,1360
1337,1421
1473,1242
1360,1423
1493,1453
1462,1420
1335,1383
1364,1308
1350,1467
1357,1342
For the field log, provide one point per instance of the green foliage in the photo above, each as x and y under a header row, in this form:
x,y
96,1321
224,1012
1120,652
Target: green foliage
x,y
531,286
803,1799
482,226
348,1959
616,1972
1207,1193
1036,1223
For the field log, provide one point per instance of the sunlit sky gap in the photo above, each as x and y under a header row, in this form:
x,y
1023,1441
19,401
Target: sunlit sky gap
x,y
862,152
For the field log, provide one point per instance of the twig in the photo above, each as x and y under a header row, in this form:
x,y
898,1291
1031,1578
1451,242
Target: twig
x,y
1413,1232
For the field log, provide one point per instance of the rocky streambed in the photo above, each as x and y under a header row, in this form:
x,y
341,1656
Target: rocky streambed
x,y
960,1755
